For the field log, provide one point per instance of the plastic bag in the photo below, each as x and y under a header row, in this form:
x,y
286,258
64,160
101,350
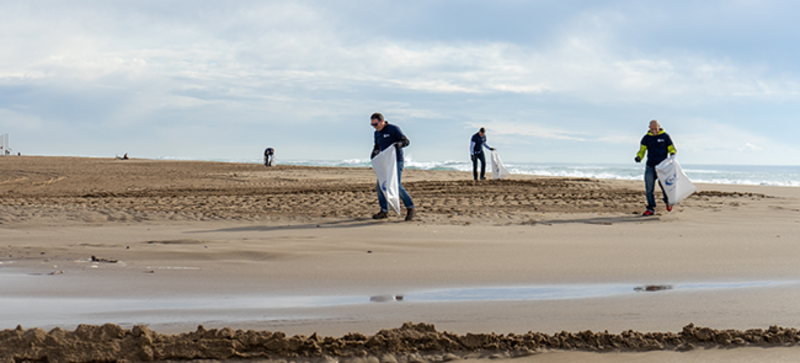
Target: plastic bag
x,y
674,181
385,166
498,170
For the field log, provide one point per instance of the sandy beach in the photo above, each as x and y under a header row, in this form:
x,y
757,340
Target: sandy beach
x,y
175,244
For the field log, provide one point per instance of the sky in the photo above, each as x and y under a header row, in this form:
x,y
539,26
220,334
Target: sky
x,y
551,81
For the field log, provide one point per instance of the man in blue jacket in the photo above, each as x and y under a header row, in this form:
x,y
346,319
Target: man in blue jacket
x,y
658,146
387,135
476,146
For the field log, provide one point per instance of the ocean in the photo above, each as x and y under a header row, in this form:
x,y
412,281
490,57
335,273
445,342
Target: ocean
x,y
788,176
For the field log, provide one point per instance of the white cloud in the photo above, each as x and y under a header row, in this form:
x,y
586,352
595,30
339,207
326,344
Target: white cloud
x,y
709,141
749,146
584,63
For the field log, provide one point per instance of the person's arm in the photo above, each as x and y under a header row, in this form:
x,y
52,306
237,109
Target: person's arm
x,y
471,148
375,150
402,140
640,154
483,141
670,146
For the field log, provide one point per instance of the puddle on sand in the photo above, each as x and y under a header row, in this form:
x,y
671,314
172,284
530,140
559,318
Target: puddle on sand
x,y
56,311
553,292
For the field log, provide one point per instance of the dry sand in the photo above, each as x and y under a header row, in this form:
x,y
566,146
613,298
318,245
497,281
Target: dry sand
x,y
172,245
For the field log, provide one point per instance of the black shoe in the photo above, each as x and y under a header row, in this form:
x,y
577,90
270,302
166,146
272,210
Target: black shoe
x,y
410,214
380,215
483,178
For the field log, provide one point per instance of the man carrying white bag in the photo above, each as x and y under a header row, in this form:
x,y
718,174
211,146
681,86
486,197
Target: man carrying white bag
x,y
387,160
658,145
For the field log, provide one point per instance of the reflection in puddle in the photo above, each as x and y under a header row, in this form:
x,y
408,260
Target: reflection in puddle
x,y
652,288
553,292
385,298
519,293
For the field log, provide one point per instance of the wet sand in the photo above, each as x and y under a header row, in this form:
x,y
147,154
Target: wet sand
x,y
292,249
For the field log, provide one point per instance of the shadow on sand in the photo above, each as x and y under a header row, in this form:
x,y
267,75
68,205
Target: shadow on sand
x,y
350,223
604,220
366,222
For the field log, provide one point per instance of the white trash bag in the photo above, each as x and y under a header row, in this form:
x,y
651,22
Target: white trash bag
x,y
385,165
498,170
675,183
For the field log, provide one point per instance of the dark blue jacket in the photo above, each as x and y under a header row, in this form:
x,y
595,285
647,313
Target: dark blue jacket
x,y
388,137
477,144
658,147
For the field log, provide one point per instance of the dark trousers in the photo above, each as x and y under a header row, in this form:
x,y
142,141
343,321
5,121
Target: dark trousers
x,y
475,158
650,180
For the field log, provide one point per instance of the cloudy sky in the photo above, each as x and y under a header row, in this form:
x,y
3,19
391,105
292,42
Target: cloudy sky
x,y
552,81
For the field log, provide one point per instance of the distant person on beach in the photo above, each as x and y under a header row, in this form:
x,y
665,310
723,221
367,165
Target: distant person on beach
x,y
269,157
476,153
658,146
387,135
125,157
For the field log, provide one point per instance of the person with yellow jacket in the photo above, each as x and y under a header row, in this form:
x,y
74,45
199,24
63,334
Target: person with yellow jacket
x,y
658,146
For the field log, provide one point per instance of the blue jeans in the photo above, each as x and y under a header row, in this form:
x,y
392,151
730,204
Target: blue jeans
x,y
650,177
475,158
403,194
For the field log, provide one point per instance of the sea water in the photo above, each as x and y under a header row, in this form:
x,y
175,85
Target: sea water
x,y
718,174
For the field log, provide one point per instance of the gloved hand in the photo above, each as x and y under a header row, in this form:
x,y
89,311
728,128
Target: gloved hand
x,y
493,149
637,159
374,154
473,157
399,144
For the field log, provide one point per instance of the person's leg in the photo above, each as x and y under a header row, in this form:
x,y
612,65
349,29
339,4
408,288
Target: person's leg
x,y
483,165
649,187
665,199
381,198
474,166
403,193
410,209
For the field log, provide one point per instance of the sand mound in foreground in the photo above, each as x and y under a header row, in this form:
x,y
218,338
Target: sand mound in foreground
x,y
409,343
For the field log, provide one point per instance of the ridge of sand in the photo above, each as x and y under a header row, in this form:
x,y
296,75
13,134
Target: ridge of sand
x,y
409,343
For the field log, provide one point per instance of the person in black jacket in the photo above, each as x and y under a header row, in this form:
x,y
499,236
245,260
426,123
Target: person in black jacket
x,y
476,146
387,135
658,146
269,157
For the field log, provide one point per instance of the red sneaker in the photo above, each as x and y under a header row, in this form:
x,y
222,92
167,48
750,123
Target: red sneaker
x,y
669,208
648,213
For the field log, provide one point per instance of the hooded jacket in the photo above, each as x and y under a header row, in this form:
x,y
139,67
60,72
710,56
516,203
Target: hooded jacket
x,y
658,147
